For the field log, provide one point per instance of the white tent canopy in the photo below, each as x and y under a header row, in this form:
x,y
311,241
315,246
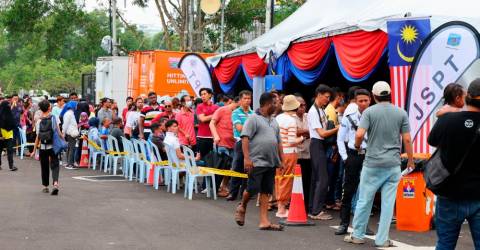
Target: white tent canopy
x,y
320,18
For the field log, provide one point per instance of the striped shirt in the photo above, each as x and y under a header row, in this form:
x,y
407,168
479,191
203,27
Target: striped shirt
x,y
288,132
239,117
149,112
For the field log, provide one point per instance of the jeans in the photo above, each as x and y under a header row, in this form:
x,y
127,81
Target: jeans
x,y
319,185
237,185
49,161
449,217
386,180
8,145
338,192
353,168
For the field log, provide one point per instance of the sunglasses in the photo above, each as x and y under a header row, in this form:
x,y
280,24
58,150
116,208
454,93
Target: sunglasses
x,y
168,106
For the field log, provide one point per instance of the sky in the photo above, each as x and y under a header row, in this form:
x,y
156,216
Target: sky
x,y
133,14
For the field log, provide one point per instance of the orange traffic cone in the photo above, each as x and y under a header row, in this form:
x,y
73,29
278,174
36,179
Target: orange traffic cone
x,y
150,175
84,158
297,215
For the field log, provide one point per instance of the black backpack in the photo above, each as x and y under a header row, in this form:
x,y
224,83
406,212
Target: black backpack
x,y
45,133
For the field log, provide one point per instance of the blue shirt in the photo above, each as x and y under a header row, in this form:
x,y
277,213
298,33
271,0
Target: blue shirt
x,y
239,117
104,131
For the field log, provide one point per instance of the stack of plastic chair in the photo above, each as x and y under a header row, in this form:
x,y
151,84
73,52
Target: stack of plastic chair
x,y
112,158
94,154
194,172
155,153
23,141
176,167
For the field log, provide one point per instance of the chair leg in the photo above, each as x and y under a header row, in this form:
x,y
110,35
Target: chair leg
x,y
115,165
190,187
156,172
214,187
174,182
207,185
22,148
131,171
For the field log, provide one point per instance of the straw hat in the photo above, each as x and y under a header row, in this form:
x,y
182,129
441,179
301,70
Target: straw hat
x,y
290,103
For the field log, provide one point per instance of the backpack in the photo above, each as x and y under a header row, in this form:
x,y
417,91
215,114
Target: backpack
x,y
45,133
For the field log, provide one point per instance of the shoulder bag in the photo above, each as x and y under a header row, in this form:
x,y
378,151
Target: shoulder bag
x,y
436,174
59,144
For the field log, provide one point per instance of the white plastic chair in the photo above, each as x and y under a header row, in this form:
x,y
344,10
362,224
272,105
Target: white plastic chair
x,y
128,148
94,154
176,167
155,153
133,158
194,172
140,149
112,144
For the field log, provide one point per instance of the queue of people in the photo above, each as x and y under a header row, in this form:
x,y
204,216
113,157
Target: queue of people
x,y
347,144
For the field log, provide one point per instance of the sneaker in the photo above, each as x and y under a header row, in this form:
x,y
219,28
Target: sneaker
x,y
45,190
13,169
69,167
321,216
387,243
204,191
353,240
55,191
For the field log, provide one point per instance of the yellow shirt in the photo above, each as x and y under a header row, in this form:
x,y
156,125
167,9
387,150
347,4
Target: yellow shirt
x,y
6,134
331,114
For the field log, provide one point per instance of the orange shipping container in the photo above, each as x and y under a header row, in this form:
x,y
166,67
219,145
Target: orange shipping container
x,y
157,71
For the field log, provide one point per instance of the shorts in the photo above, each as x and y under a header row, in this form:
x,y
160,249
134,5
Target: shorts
x,y
261,180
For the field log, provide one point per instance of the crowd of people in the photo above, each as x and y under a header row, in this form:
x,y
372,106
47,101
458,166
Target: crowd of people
x,y
348,148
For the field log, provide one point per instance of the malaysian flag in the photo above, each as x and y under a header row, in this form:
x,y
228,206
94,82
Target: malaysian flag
x,y
404,38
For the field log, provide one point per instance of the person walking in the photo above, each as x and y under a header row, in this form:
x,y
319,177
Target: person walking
x,y
385,125
70,129
289,139
205,112
7,126
239,117
352,158
317,124
44,142
262,147
457,137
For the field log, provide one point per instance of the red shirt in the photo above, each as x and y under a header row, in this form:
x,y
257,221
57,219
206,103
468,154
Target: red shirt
x,y
224,126
124,115
203,128
186,124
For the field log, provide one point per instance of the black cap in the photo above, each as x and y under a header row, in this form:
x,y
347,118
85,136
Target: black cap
x,y
474,88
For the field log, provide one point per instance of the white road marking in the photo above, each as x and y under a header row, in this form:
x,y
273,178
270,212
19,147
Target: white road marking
x,y
397,244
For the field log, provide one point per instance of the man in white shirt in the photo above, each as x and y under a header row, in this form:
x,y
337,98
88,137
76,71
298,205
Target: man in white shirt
x,y
317,123
352,158
172,141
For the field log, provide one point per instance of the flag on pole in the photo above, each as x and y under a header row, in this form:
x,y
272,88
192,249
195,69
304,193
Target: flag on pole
x,y
404,38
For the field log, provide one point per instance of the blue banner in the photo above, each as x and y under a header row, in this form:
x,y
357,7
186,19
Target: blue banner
x,y
404,39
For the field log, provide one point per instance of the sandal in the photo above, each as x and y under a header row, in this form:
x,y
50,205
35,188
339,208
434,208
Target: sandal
x,y
240,215
45,190
272,227
282,216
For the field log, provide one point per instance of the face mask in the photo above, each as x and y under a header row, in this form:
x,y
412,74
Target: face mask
x,y
189,104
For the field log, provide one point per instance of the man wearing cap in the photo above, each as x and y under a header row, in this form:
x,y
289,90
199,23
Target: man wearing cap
x,y
385,125
457,136
288,135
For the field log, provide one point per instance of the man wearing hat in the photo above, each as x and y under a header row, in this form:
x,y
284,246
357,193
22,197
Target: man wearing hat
x,y
288,135
457,136
386,125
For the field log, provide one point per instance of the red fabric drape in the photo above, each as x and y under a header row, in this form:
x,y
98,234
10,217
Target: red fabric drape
x,y
254,65
359,52
227,68
307,55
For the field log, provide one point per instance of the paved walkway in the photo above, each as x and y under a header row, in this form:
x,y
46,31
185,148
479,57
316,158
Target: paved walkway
x,y
128,215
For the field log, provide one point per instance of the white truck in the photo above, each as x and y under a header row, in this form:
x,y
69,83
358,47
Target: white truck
x,y
112,79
